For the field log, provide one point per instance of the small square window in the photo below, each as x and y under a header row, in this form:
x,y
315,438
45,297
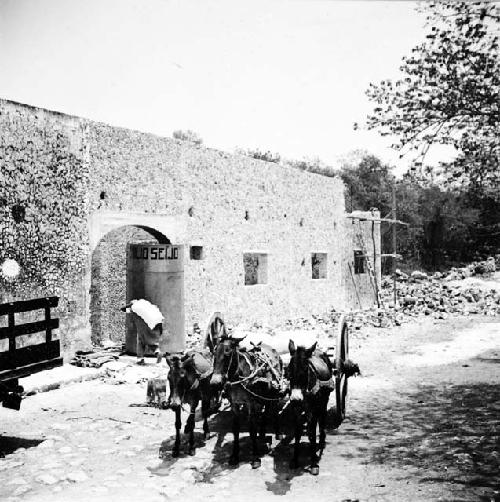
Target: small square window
x,y
196,252
359,262
255,265
319,265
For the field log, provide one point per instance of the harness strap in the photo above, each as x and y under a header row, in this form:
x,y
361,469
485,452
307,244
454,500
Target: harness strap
x,y
259,396
265,363
266,360
320,384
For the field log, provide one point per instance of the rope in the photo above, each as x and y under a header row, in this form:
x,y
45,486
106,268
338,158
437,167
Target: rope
x,y
265,362
260,397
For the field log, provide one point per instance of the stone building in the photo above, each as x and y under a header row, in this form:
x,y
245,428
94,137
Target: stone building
x,y
262,242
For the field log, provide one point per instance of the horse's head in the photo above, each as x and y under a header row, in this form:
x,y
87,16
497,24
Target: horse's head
x,y
176,381
299,370
225,359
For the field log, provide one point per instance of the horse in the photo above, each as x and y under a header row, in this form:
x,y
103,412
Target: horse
x,y
310,375
253,379
189,381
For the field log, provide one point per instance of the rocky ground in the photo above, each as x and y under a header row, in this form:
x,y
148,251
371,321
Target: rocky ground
x,y
422,424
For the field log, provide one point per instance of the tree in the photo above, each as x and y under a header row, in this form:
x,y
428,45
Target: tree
x,y
187,135
442,224
368,184
449,92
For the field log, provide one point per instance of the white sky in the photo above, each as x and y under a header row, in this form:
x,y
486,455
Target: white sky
x,y
288,76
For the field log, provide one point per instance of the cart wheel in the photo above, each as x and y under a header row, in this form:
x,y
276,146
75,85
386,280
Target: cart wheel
x,y
342,354
215,330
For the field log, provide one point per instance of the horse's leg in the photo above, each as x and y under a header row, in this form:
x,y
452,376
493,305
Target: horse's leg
x,y
234,459
277,422
205,412
263,422
322,423
175,451
294,463
312,442
252,416
189,429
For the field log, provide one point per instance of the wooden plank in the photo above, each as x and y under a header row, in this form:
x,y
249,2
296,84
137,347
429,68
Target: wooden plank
x,y
29,355
48,329
371,218
355,286
30,369
28,329
383,255
10,332
27,305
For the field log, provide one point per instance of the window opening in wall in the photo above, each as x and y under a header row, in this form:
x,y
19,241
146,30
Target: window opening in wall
x,y
18,213
359,262
318,265
255,265
196,252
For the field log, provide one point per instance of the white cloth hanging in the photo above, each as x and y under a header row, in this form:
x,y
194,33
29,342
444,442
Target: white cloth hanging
x,y
150,313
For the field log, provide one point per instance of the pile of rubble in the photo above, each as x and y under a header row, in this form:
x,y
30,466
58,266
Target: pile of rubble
x,y
440,295
474,289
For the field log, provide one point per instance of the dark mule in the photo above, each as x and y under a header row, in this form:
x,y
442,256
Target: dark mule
x,y
253,381
189,381
310,374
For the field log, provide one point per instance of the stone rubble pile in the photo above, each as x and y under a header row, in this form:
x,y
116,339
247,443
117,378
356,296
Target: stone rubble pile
x,y
458,292
461,291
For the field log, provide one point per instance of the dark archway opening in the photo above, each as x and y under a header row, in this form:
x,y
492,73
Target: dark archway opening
x,y
109,280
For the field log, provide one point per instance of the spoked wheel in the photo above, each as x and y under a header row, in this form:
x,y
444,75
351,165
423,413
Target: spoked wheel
x,y
216,328
341,356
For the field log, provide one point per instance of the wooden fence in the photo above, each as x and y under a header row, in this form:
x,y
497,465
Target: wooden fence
x,y
18,362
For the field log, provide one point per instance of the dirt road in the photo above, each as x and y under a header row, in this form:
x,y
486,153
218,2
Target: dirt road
x,y
422,424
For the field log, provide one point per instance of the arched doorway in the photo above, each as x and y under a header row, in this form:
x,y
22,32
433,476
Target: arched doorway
x,y
108,280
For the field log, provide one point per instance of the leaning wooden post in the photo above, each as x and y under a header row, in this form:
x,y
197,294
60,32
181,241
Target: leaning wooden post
x,y
394,245
375,275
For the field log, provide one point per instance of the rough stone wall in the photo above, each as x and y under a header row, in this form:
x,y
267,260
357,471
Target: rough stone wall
x,y
43,211
236,205
63,170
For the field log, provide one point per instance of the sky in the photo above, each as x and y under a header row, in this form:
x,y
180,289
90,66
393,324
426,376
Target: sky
x,y
287,76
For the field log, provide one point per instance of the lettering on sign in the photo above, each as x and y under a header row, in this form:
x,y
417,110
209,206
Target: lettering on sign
x,y
155,253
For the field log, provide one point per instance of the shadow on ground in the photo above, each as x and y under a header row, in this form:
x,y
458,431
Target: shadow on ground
x,y
221,427
9,444
443,435
447,435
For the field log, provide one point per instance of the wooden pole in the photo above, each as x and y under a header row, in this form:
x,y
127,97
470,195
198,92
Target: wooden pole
x,y
375,278
394,244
